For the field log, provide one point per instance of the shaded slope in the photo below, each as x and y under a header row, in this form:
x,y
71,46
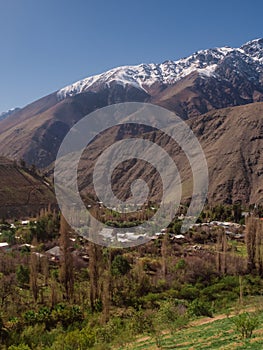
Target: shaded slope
x,y
22,194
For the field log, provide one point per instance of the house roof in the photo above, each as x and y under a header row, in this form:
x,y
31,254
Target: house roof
x,y
55,251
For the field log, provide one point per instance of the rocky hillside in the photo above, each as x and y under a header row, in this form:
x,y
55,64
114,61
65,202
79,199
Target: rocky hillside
x,y
232,140
22,193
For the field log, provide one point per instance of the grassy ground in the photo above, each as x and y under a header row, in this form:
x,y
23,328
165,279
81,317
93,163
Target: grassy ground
x,y
204,334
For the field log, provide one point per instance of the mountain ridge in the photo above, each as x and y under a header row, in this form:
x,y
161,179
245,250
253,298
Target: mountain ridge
x,y
143,76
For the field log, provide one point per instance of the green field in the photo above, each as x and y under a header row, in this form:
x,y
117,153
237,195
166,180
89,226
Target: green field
x,y
217,334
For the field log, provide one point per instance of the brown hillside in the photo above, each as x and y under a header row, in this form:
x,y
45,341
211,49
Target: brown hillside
x,y
22,194
232,140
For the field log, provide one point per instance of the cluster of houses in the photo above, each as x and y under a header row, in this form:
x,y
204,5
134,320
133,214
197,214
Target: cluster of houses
x,y
232,229
111,235
5,246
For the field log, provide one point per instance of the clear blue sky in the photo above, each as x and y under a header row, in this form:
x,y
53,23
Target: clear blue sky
x,y
47,44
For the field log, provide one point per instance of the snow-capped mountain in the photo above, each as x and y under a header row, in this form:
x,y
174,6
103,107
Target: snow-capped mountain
x,y
217,90
207,80
205,62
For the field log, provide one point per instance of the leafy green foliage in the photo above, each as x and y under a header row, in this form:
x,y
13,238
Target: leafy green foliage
x,y
120,266
200,308
22,275
75,340
8,236
62,313
172,315
245,324
142,322
19,347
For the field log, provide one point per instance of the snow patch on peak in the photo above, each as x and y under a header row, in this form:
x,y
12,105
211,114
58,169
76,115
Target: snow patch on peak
x,y
225,50
208,71
255,42
254,49
122,75
143,76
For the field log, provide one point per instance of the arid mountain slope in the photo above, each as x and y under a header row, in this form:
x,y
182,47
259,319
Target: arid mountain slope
x,y
232,140
22,193
36,132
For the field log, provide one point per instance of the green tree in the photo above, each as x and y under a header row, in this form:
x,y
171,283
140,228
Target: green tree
x,y
120,266
9,237
22,275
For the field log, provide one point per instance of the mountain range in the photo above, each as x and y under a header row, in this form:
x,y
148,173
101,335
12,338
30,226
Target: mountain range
x,y
219,92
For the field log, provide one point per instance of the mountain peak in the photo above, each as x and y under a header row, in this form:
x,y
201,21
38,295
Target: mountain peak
x,y
254,42
254,48
143,76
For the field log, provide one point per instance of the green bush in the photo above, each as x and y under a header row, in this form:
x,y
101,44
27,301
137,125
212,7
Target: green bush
x,y
150,301
171,315
142,322
30,317
32,335
226,287
75,340
120,266
19,347
62,313
245,324
66,315
189,292
200,308
181,264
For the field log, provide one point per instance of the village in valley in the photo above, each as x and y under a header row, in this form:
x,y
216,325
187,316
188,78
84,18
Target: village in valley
x,y
17,236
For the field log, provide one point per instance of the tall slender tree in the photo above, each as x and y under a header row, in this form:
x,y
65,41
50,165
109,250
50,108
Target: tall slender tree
x,y
106,285
221,253
250,237
94,273
165,253
95,264
66,261
33,271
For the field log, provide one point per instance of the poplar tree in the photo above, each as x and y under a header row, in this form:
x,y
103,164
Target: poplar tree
x,y
66,261
33,272
221,252
250,238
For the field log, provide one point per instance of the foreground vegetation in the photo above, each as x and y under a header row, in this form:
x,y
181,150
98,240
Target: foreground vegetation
x,y
205,334
98,298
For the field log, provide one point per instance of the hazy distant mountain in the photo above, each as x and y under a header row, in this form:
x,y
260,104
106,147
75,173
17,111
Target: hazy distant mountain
x,y
205,81
6,114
